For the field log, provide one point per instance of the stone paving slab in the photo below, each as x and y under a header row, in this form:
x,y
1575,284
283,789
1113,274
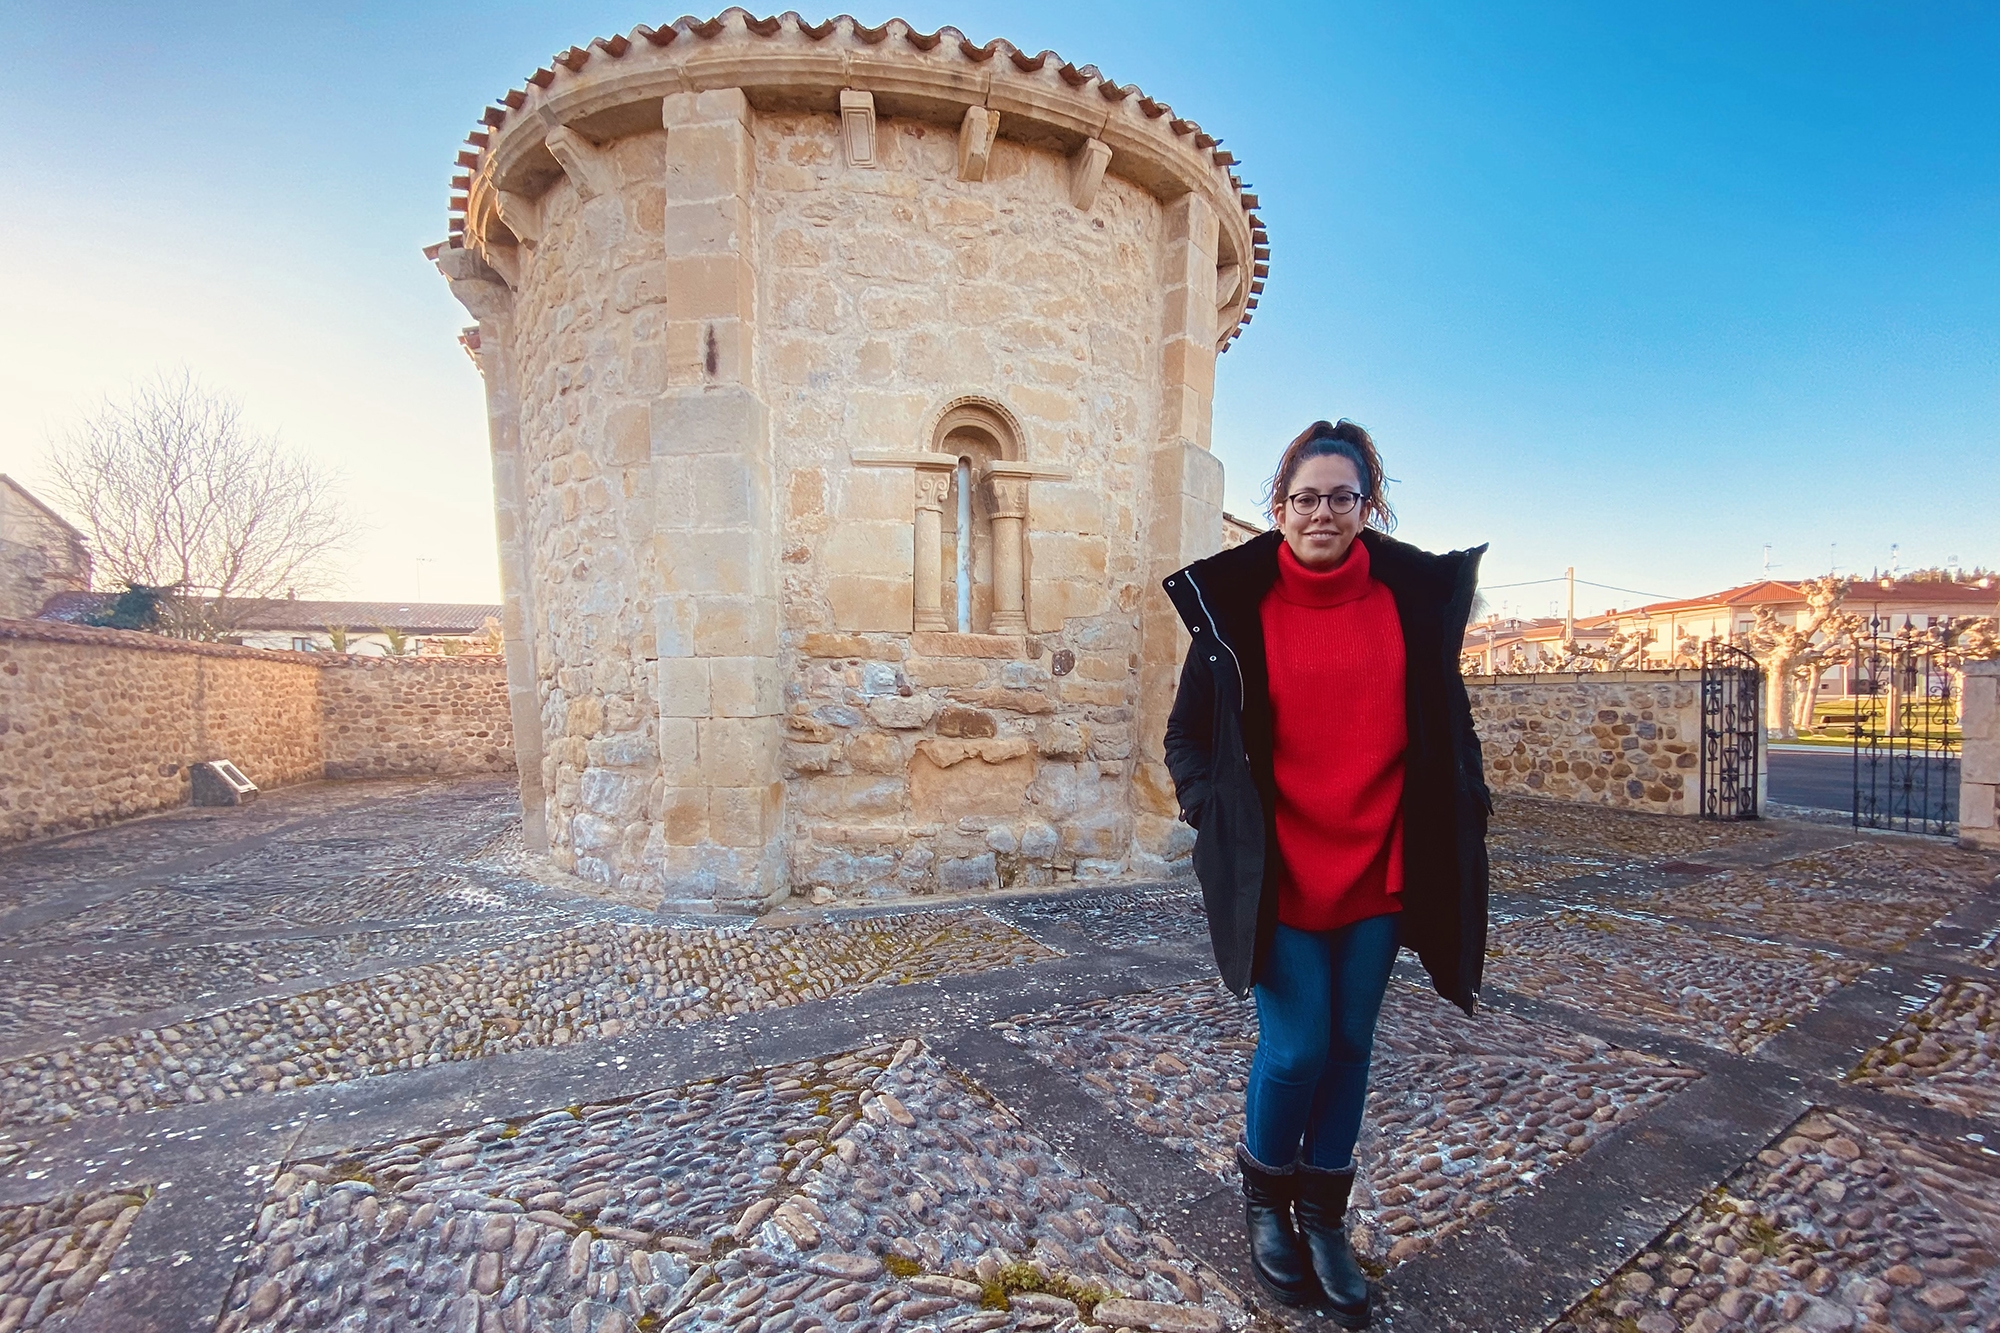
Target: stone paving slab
x,y
1673,1010
258,843
161,844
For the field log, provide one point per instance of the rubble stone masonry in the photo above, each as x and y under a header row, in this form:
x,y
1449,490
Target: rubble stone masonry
x,y
1628,739
98,724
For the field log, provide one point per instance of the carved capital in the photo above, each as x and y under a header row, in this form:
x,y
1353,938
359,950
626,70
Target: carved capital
x,y
1004,497
933,487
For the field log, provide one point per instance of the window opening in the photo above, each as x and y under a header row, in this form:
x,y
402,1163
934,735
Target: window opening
x,y
964,545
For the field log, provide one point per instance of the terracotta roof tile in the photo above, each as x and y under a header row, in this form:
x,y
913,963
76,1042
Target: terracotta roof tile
x,y
616,46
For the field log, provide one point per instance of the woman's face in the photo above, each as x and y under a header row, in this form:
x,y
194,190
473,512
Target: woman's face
x,y
1320,539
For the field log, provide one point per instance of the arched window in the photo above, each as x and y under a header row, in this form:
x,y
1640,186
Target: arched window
x,y
980,564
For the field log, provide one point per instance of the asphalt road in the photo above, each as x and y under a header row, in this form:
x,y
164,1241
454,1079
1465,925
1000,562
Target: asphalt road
x,y
1824,780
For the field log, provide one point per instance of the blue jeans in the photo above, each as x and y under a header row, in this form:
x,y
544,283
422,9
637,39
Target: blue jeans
x,y
1316,1010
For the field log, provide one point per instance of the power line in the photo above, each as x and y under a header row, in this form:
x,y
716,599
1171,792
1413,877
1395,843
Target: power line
x,y
1608,587
1636,592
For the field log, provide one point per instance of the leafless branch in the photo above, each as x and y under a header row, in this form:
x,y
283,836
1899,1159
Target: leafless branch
x,y
177,492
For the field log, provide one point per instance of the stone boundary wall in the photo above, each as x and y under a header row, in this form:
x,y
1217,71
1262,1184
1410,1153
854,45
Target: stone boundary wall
x,y
1979,761
385,716
1627,739
98,725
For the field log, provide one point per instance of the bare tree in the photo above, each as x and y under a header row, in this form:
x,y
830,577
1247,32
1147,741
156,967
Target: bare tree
x,y
1782,650
178,493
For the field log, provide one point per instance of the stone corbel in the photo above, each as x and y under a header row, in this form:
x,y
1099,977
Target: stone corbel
x,y
479,287
504,260
1228,287
588,167
522,215
857,126
975,142
1228,282
1086,172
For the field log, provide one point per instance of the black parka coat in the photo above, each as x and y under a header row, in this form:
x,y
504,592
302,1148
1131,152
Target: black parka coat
x,y
1218,746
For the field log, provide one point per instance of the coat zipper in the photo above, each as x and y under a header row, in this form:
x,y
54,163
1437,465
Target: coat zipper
x,y
1242,691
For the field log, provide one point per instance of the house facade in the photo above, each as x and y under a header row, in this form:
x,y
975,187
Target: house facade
x,y
1730,615
41,554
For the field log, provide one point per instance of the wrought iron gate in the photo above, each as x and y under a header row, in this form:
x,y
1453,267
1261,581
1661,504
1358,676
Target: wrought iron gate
x,y
1906,735
1732,718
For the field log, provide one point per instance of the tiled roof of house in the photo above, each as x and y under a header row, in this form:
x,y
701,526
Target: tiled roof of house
x,y
282,614
74,608
1976,599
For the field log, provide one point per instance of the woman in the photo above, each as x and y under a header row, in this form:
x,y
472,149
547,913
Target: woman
x,y
1322,746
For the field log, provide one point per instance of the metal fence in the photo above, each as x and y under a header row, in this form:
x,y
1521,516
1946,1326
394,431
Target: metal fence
x,y
1906,738
1732,719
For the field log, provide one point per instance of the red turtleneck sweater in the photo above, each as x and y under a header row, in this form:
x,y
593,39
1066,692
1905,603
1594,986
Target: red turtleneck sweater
x,y
1335,649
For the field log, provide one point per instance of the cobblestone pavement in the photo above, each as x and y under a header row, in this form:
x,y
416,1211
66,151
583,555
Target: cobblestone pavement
x,y
350,1059
1460,1114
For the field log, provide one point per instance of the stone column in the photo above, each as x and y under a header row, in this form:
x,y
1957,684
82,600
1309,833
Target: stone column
x,y
927,567
716,613
1979,765
1184,511
490,301
1006,501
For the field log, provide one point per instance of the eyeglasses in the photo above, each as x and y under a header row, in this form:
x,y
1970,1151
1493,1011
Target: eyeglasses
x,y
1306,503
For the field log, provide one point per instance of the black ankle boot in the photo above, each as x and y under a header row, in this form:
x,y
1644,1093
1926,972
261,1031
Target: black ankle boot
x,y
1277,1256
1322,1211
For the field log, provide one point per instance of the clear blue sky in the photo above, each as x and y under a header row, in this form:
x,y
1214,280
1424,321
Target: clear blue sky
x,y
1634,288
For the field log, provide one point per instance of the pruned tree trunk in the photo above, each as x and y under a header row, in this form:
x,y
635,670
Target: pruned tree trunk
x,y
1778,697
1808,700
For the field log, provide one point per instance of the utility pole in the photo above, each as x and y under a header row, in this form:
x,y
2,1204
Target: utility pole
x,y
1569,614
